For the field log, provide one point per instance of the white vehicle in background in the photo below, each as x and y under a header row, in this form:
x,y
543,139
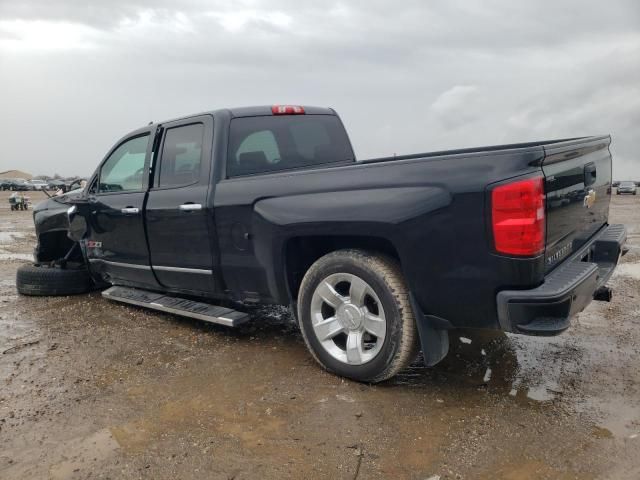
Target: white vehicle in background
x,y
37,184
627,187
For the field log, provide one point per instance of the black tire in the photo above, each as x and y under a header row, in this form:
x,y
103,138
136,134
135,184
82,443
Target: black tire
x,y
41,280
400,345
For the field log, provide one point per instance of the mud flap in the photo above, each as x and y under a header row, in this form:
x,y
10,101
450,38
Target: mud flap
x,y
434,342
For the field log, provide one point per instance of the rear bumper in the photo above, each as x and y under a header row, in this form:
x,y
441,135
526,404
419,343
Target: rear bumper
x,y
566,291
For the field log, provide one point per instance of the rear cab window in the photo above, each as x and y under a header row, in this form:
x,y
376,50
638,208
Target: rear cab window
x,y
265,144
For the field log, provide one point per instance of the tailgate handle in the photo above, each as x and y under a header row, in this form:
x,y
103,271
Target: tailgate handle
x,y
589,174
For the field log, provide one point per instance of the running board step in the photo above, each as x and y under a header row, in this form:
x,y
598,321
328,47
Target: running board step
x,y
176,305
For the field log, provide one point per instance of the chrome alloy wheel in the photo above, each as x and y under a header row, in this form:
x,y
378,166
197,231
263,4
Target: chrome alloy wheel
x,y
348,319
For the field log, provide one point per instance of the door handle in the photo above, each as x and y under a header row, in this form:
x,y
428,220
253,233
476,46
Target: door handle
x,y
130,210
190,207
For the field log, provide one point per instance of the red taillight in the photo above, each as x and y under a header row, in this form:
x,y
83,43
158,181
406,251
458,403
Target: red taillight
x,y
518,218
287,110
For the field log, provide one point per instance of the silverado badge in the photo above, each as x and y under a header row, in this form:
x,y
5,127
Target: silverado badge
x,y
589,199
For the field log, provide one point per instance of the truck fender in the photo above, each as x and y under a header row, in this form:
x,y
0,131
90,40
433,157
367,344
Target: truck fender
x,y
380,205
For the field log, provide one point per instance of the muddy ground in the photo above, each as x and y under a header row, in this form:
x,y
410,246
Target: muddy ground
x,y
93,389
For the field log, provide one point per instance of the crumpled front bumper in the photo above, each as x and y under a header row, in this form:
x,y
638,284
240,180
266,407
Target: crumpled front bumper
x,y
566,291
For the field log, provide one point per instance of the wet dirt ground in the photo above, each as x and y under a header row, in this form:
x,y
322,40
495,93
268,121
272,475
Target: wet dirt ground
x,y
93,389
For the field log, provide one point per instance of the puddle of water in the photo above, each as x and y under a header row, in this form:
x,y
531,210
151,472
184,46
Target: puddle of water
x,y
16,256
543,365
7,282
628,270
528,369
616,414
540,393
522,469
600,432
81,453
7,238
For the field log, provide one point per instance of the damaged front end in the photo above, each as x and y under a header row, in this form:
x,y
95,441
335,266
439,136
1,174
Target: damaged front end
x,y
51,221
60,266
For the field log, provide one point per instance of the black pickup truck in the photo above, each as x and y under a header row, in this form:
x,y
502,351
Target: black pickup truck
x,y
205,215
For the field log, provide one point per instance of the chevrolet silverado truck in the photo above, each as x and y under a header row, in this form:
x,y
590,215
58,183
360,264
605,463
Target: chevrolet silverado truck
x,y
205,215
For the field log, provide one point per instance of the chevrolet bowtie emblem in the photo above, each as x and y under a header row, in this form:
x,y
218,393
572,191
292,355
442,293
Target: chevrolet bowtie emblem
x,y
589,199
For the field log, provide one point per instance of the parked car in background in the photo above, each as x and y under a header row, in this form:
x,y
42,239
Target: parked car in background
x,y
38,184
615,184
627,187
19,185
56,184
7,183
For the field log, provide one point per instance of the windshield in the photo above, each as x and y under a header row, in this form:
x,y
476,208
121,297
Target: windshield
x,y
627,184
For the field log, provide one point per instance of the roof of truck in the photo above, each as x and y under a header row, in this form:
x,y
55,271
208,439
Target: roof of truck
x,y
255,111
266,110
237,112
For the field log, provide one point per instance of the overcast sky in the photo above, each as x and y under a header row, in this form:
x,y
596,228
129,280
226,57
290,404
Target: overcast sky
x,y
406,76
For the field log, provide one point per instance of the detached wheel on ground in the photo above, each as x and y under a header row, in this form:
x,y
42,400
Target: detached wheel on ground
x,y
44,280
355,315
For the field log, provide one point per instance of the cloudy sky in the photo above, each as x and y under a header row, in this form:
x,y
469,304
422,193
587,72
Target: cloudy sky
x,y
405,76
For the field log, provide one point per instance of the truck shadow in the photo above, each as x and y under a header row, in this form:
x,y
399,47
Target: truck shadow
x,y
528,369
475,359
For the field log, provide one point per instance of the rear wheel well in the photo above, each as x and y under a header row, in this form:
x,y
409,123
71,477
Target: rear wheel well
x,y
302,252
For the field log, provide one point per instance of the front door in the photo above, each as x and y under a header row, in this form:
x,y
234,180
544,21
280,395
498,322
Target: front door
x,y
179,221
116,244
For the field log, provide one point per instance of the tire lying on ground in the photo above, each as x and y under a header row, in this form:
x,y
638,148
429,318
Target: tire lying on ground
x,y
44,280
355,315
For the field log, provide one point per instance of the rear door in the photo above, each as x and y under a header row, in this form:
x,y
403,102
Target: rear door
x,y
179,221
578,188
116,243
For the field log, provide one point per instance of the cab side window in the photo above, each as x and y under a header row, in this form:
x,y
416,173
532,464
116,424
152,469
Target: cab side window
x,y
181,156
123,171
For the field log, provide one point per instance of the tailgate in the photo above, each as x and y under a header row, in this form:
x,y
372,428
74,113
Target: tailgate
x,y
578,190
